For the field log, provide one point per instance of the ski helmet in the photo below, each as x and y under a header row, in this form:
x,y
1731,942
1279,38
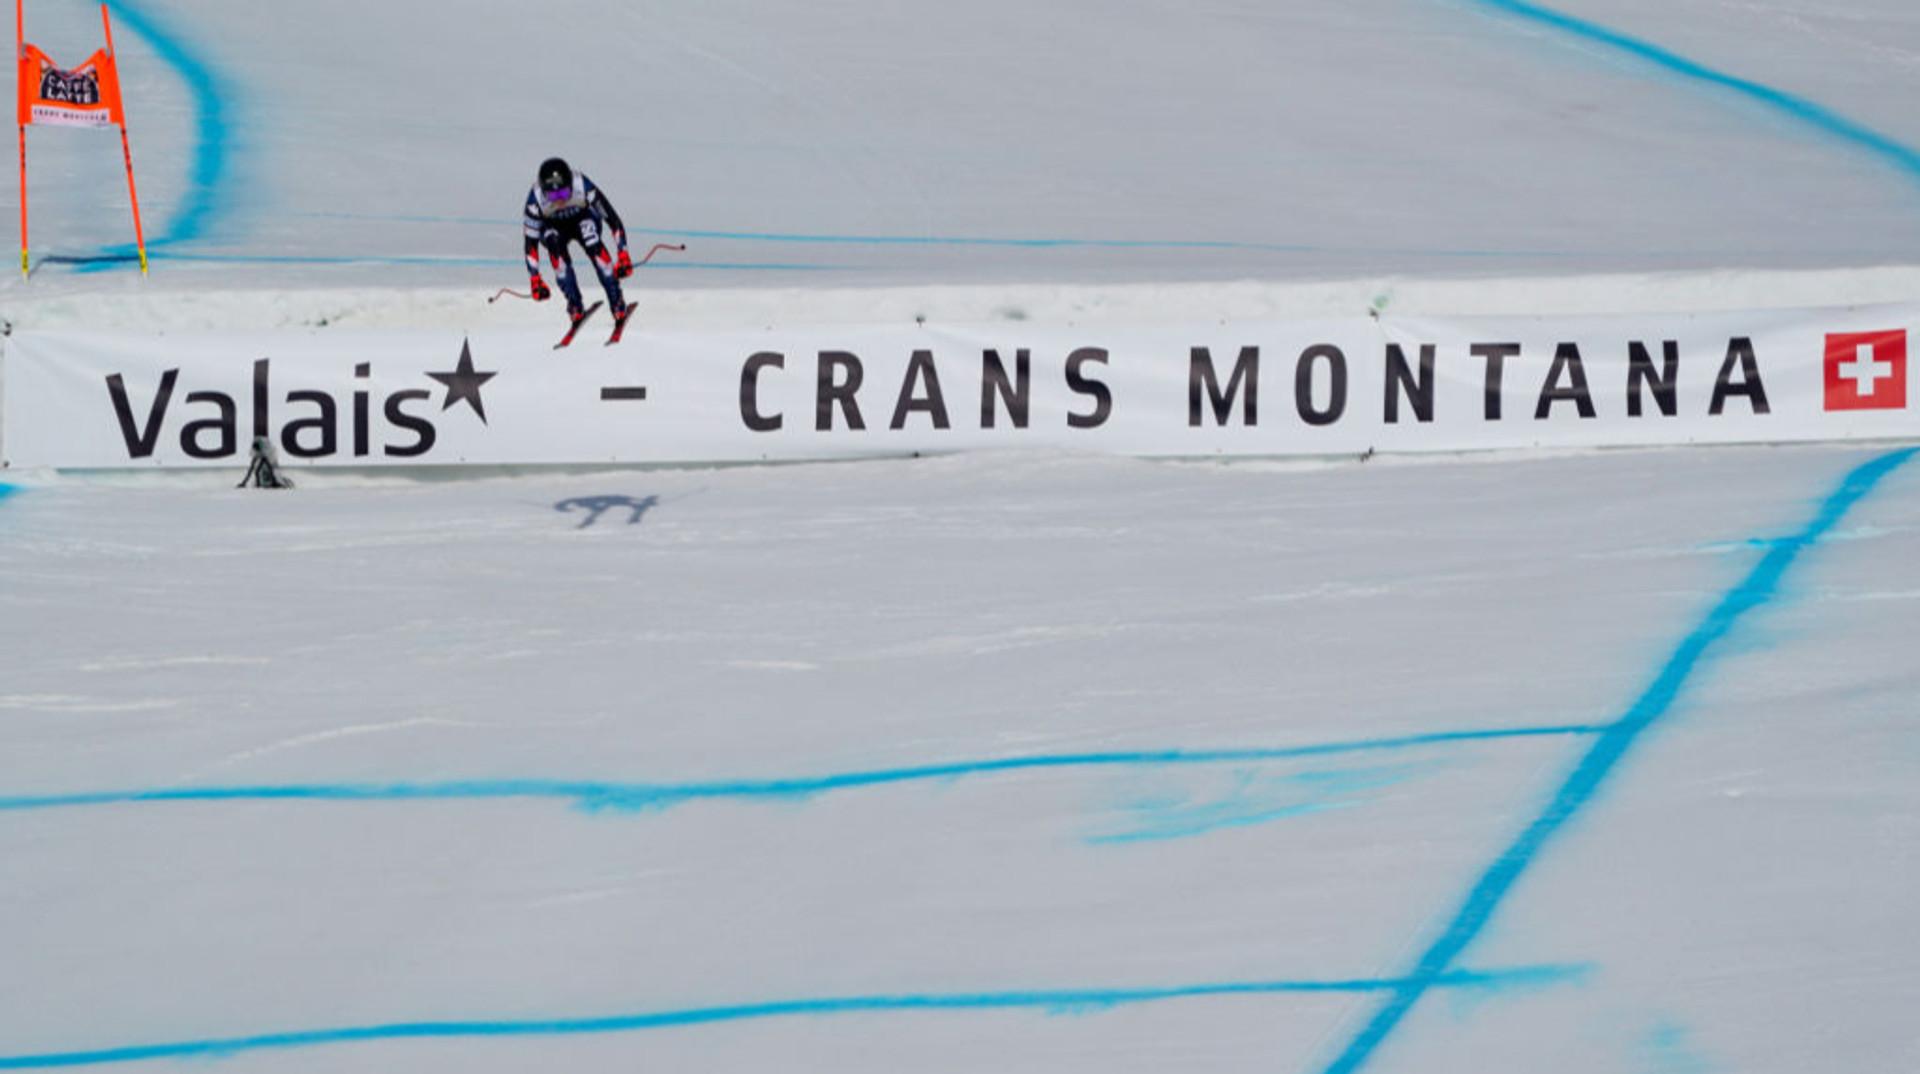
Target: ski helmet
x,y
556,179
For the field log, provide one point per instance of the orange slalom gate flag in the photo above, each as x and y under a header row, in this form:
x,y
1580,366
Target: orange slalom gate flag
x,y
87,96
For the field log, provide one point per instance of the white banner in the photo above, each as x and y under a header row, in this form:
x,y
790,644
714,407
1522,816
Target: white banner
x,y
1335,387
51,115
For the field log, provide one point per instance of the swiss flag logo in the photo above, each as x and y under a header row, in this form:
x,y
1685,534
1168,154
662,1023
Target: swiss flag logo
x,y
1867,370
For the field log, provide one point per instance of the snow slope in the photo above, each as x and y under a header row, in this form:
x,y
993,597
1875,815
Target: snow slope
x,y
844,143
865,767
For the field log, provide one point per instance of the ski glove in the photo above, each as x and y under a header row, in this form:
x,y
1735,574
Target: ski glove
x,y
540,292
623,268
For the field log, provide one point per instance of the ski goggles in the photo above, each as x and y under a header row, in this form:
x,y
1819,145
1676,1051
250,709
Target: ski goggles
x,y
557,193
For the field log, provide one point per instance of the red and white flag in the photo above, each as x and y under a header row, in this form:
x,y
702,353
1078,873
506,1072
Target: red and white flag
x,y
1867,370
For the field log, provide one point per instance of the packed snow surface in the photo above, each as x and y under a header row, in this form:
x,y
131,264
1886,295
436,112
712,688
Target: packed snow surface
x,y
844,143
979,763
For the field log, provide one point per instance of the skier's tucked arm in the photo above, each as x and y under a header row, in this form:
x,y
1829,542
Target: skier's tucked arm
x,y
532,229
603,208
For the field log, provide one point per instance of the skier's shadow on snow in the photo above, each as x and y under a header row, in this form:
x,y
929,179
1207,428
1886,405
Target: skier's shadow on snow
x,y
596,506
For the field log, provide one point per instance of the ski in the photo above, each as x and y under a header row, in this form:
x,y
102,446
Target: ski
x,y
575,329
620,324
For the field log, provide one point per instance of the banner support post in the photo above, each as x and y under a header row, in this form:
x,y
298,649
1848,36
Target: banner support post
x,y
126,151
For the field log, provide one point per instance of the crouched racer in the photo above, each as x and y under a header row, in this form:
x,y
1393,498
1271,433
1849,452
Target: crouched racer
x,y
564,207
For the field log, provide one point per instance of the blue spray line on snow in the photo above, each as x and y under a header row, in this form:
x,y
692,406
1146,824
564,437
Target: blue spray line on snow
x,y
212,154
1902,156
951,240
1759,588
834,239
101,262
1187,823
1052,1002
1255,798
1456,253
595,796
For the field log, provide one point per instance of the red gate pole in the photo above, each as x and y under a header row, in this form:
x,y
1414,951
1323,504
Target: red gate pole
x,y
23,201
126,149
20,54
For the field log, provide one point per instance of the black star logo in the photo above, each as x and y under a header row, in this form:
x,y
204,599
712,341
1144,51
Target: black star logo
x,y
463,384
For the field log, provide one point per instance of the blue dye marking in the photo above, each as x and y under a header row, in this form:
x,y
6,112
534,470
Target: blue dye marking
x,y
502,222
7,490
827,239
209,178
594,796
1857,533
947,240
95,263
1758,588
1253,799
1668,1050
1057,1002
1212,817
830,239
1346,780
1098,244
1902,156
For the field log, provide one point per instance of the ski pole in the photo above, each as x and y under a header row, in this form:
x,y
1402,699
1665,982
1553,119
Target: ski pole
x,y
677,247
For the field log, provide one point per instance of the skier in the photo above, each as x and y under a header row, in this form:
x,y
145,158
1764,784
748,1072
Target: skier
x,y
565,207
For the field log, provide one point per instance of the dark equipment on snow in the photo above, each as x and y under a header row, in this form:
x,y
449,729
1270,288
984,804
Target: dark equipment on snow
x,y
263,468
